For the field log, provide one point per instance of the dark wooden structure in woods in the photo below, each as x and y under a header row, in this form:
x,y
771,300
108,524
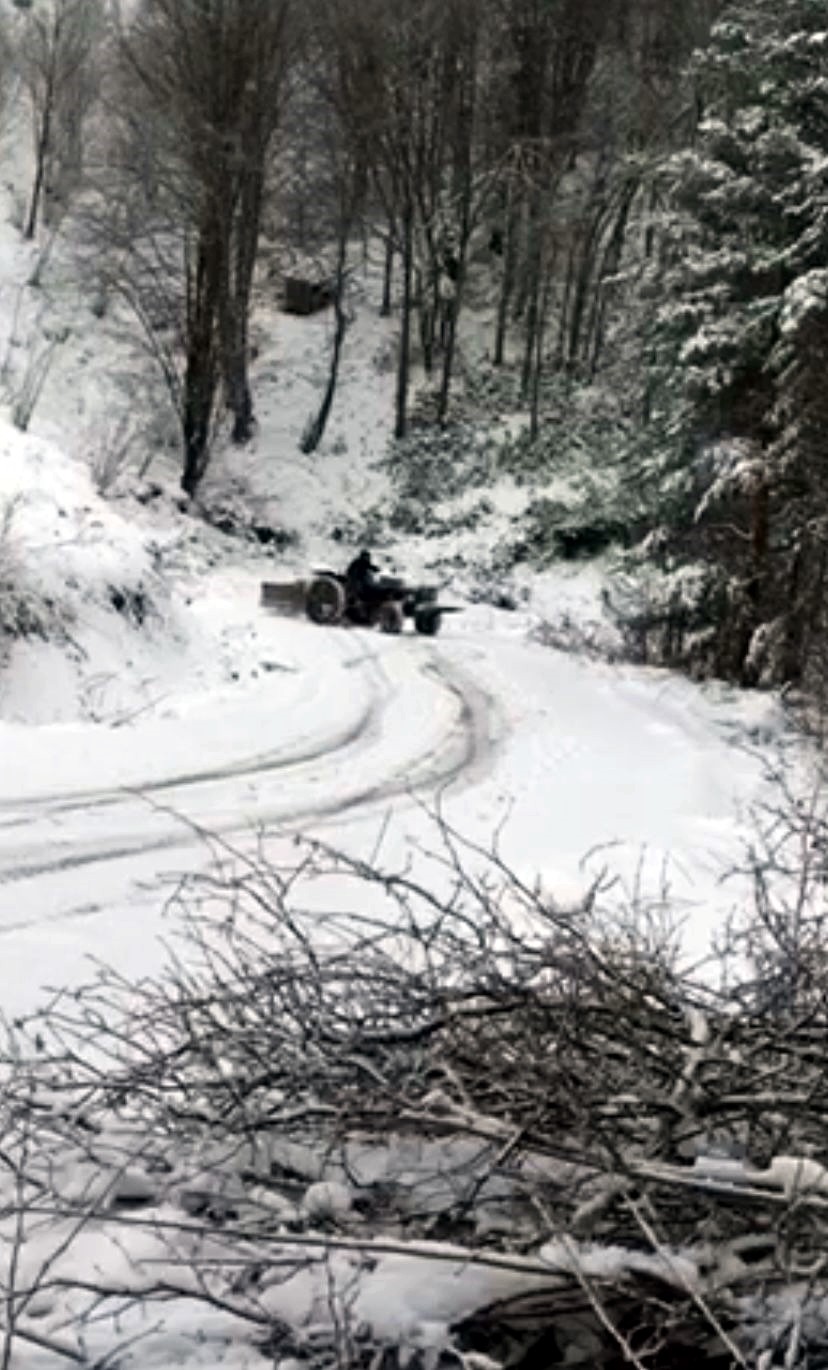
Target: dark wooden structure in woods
x,y
303,296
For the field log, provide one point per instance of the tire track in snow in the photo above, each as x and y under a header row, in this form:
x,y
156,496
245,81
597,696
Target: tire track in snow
x,y
262,764
458,752
295,751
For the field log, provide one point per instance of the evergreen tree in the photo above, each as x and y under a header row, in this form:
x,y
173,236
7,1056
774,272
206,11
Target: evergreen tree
x,y
741,334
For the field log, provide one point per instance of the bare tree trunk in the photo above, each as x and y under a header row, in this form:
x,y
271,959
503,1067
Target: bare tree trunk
x,y
315,431
404,361
534,266
537,368
448,330
236,305
200,382
566,303
610,263
455,264
449,350
201,375
507,279
44,142
589,272
530,343
427,306
582,279
236,381
387,277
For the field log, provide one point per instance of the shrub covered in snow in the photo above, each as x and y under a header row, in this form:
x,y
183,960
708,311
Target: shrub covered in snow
x,y
63,551
432,464
670,614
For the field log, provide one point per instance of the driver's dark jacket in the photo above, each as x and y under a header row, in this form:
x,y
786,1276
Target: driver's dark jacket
x,y
359,578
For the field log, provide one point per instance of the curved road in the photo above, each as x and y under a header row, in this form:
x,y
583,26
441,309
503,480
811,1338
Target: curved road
x,y
339,768
561,754
361,724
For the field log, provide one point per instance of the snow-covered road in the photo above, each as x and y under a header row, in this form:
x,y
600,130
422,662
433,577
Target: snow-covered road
x,y
348,732
352,726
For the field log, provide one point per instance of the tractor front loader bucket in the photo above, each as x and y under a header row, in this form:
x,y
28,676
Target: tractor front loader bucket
x,y
287,596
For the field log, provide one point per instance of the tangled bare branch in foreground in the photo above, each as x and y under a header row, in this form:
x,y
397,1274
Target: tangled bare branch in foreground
x,y
345,1063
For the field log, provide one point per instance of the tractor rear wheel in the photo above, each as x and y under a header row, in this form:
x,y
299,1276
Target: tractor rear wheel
x,y
325,600
390,617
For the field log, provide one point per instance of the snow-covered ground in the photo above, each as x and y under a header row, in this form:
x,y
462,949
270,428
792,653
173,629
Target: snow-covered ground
x,y
172,705
128,743
335,729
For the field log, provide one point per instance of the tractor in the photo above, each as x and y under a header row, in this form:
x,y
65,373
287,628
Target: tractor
x,y
326,600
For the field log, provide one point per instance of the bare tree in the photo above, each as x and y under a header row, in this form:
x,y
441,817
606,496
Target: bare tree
x,y
6,64
193,140
56,54
348,193
405,85
588,99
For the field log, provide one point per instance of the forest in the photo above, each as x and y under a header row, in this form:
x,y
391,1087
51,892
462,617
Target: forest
x,y
633,193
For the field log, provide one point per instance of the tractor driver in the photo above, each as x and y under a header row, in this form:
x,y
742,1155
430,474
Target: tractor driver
x,y
360,580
